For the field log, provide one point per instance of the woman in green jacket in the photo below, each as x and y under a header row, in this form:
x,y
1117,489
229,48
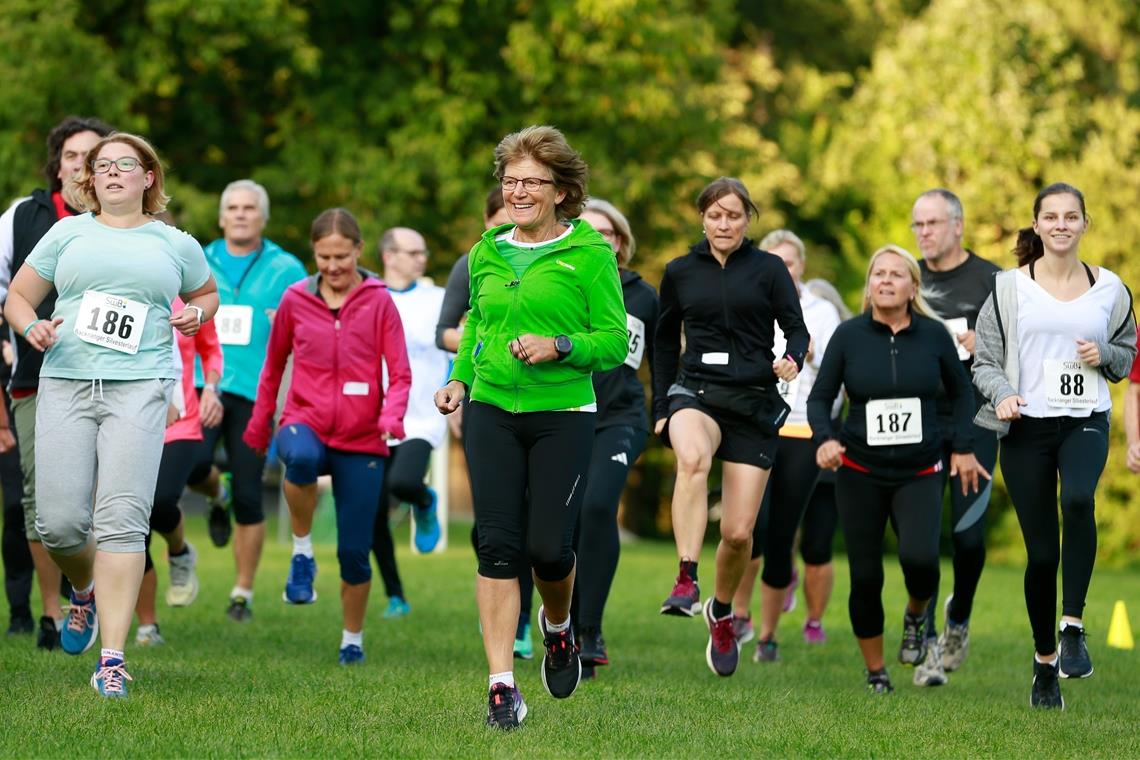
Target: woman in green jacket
x,y
546,312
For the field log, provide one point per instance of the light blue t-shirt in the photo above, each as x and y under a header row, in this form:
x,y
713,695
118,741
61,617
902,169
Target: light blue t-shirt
x,y
149,265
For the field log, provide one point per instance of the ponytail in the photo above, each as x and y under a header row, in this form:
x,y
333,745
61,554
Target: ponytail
x,y
1028,247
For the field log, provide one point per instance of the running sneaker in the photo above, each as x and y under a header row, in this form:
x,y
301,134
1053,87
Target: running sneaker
x,y
589,672
1074,659
82,626
879,682
790,591
813,632
954,640
722,652
110,678
561,668
506,708
398,607
1046,691
218,521
299,585
239,610
149,636
685,599
930,671
767,650
21,625
592,647
427,524
350,654
524,647
183,588
48,636
912,651
742,629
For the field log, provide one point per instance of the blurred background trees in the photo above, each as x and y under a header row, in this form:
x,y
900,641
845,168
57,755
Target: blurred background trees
x,y
836,113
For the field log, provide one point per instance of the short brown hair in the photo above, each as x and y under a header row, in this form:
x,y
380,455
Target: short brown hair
x,y
724,186
82,189
548,146
335,221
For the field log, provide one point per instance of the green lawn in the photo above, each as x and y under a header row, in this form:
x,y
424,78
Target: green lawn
x,y
273,688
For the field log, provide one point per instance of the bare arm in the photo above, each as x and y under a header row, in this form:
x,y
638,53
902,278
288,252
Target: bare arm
x,y
25,294
204,298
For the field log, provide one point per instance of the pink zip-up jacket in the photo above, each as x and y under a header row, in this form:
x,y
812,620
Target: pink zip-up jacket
x,y
205,344
338,364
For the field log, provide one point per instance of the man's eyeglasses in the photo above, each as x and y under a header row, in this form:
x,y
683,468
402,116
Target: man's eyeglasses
x,y
124,164
530,184
932,224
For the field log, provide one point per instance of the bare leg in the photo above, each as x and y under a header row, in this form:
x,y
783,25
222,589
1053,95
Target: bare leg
x,y
118,576
148,591
48,576
740,503
248,541
556,597
771,607
742,602
79,568
818,582
302,502
695,438
498,601
872,650
354,601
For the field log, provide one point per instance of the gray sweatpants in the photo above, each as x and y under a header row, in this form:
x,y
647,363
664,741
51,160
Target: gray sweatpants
x,y
98,444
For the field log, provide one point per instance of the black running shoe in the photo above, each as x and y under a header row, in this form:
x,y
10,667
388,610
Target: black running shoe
x,y
592,647
506,708
589,673
722,652
685,598
1046,692
879,682
912,651
218,525
1074,660
239,610
48,636
561,668
21,625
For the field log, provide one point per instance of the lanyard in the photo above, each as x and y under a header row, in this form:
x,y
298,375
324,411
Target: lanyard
x,y
248,269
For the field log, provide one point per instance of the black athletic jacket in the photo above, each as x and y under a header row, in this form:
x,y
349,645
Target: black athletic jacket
x,y
728,314
871,363
621,396
33,218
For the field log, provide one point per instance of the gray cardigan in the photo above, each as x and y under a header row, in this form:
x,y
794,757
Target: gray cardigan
x,y
996,369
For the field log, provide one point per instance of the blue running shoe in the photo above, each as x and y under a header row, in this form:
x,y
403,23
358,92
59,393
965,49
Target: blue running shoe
x,y
110,678
427,525
299,585
524,647
81,626
397,608
351,655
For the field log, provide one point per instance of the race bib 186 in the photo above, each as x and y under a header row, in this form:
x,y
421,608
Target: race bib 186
x,y
111,321
1071,384
234,324
894,420
636,330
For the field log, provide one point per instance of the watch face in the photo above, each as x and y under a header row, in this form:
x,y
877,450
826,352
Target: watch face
x,y
562,344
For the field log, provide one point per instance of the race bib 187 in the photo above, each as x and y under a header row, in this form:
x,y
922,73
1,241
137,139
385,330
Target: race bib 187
x,y
111,321
892,421
1071,384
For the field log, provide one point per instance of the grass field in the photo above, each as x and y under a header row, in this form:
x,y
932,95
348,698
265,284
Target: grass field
x,y
273,688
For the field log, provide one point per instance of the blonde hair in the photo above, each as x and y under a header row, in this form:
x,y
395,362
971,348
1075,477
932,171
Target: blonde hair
x,y
82,189
775,237
546,145
627,244
825,290
919,304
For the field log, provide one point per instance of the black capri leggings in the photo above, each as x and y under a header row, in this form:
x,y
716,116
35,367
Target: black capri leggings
x,y
866,504
404,479
178,458
549,452
783,506
1032,455
245,465
817,534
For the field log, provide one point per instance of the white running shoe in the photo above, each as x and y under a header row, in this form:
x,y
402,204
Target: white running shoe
x,y
148,636
954,641
929,672
183,588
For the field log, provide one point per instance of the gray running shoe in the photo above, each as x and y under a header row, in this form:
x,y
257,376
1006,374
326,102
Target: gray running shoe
x,y
930,671
954,640
879,683
722,653
912,651
743,630
767,650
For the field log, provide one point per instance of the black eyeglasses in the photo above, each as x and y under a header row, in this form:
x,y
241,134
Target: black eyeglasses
x,y
530,184
124,164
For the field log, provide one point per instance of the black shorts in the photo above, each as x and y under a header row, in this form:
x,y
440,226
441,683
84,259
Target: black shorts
x,y
741,440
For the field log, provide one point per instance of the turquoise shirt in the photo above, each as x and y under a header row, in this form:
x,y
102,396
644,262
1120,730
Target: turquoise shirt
x,y
151,265
235,267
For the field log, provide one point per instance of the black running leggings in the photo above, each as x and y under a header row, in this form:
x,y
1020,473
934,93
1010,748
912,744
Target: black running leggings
x,y
866,504
244,463
615,450
403,479
784,502
1032,455
18,566
178,458
547,452
817,531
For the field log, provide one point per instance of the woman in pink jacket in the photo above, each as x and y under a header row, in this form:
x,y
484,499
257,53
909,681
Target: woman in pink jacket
x,y
343,331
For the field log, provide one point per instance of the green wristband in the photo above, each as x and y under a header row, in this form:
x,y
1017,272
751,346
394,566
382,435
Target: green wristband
x,y
31,324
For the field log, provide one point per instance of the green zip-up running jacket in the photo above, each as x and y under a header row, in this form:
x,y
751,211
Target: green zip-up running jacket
x,y
572,290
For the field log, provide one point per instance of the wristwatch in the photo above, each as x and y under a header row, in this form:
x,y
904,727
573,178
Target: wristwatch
x,y
210,387
563,346
199,309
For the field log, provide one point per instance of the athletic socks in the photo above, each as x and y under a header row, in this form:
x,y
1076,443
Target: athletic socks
x,y
303,545
1052,662
183,553
1065,624
558,627
507,678
244,593
348,638
85,594
689,568
110,654
721,609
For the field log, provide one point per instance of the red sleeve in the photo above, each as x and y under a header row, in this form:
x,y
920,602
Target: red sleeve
x,y
260,426
1134,375
209,348
395,354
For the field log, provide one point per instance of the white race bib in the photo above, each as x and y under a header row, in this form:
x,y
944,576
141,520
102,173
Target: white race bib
x,y
234,324
715,357
355,389
959,326
1071,384
636,331
788,391
894,420
111,321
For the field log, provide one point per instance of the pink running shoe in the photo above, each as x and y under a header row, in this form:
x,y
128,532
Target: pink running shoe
x,y
813,632
790,591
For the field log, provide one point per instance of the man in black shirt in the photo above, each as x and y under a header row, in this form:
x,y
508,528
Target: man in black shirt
x,y
956,282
